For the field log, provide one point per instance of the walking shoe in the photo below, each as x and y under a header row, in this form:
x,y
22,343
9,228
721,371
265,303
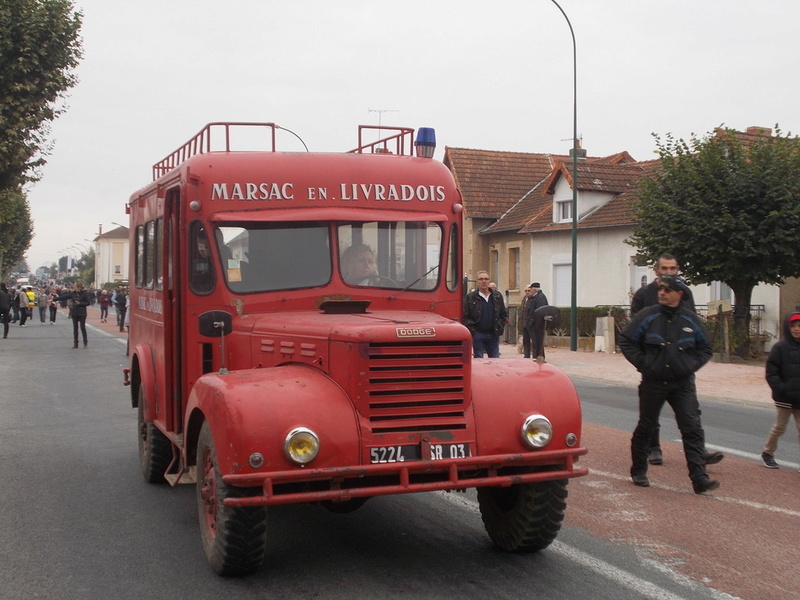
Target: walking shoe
x,y
769,461
701,486
640,480
655,458
713,458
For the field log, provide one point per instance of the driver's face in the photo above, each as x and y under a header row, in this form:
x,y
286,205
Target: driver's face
x,y
364,264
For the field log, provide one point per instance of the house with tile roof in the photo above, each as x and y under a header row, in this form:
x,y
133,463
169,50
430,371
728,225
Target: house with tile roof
x,y
518,226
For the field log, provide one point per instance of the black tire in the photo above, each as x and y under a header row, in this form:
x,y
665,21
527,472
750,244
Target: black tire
x,y
155,450
234,539
525,517
346,506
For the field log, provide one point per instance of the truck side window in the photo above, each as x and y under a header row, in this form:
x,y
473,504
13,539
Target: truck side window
x,y
201,268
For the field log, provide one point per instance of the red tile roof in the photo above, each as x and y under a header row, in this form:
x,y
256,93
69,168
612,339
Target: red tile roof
x,y
491,182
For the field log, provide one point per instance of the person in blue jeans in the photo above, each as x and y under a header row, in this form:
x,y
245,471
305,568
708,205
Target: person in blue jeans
x,y
485,316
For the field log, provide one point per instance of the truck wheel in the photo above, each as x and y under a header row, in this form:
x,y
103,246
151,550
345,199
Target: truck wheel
x,y
155,450
234,539
524,517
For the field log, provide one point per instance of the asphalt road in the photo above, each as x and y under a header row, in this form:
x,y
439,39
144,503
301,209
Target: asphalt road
x,y
79,522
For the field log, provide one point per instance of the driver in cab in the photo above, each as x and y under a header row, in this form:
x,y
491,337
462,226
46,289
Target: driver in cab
x,y
358,265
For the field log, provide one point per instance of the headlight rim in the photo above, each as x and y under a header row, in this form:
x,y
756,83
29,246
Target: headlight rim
x,y
547,430
292,455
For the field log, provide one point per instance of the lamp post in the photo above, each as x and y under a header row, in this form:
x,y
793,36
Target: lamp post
x,y
573,307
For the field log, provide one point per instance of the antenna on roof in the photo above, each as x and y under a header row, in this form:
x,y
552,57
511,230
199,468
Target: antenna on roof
x,y
380,112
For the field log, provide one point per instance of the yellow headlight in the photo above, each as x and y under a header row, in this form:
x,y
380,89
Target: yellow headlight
x,y
537,431
301,446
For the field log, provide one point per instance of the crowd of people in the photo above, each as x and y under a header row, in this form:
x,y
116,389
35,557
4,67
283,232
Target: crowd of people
x,y
667,343
20,305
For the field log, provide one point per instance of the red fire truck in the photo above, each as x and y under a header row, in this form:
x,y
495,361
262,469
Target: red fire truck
x,y
295,337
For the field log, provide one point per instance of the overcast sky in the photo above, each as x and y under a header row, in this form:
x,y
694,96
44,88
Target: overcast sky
x,y
489,75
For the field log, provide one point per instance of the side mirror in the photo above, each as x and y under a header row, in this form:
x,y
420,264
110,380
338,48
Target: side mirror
x,y
215,323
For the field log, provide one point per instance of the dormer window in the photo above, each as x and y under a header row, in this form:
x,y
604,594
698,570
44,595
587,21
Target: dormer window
x,y
564,211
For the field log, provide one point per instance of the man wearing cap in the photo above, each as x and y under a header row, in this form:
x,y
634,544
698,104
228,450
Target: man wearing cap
x,y
646,296
538,299
667,344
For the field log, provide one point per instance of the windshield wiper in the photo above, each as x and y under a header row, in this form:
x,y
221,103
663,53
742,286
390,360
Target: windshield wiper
x,y
431,270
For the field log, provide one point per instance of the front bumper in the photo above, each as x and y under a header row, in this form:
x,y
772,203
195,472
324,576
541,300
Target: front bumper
x,y
364,481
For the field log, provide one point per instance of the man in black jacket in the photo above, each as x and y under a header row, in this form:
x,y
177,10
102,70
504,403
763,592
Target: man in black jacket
x,y
648,296
538,299
667,344
485,316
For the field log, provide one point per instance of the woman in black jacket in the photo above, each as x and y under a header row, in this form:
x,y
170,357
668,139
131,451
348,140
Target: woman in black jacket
x,y
783,377
80,300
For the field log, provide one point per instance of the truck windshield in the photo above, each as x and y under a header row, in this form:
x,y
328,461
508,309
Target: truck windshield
x,y
260,257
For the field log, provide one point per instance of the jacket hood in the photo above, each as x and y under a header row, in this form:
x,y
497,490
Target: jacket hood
x,y
787,335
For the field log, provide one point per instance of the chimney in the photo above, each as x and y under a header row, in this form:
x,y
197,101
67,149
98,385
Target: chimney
x,y
762,131
581,151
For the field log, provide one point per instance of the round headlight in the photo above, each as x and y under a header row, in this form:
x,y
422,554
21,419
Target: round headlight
x,y
536,432
301,446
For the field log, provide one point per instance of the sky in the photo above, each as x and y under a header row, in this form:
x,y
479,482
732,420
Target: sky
x,y
486,75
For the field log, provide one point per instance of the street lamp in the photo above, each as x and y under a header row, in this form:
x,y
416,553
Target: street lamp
x,y
573,307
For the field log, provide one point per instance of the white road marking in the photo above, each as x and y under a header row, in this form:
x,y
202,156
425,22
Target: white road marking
x,y
619,576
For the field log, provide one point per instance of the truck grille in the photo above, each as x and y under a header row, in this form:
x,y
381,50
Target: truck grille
x,y
416,386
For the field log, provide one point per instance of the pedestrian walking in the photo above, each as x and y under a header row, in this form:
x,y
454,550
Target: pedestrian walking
x,y
120,299
783,377
104,302
667,344
5,308
42,300
80,299
666,264
53,305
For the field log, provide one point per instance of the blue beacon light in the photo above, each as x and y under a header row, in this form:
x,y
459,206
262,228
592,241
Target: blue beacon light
x,y
426,142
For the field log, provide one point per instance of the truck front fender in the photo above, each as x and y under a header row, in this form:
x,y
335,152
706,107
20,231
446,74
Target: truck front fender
x,y
251,412
505,392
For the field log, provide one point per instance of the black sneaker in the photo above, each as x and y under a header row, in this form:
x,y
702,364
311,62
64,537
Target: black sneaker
x,y
769,461
713,458
640,480
655,457
701,486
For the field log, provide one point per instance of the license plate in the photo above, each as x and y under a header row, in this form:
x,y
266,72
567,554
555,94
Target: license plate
x,y
391,454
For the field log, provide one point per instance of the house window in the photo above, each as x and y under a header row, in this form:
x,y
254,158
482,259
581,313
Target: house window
x,y
564,210
513,268
117,269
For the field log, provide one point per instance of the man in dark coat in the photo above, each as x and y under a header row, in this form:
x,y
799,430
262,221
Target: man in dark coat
x,y
538,299
485,316
667,344
648,296
783,377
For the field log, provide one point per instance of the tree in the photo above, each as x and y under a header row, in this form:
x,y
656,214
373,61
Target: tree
x,y
39,48
16,229
728,205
